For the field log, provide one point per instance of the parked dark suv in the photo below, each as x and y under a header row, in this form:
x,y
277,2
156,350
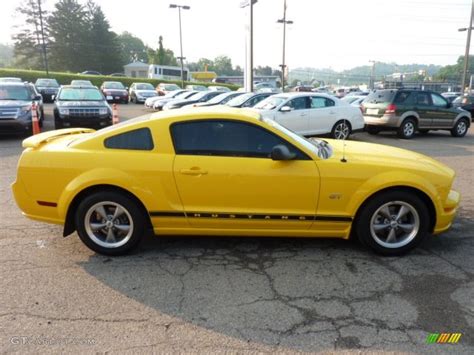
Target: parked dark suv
x,y
16,99
78,106
466,102
408,111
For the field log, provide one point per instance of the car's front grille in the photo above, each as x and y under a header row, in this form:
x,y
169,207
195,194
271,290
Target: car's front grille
x,y
83,112
8,113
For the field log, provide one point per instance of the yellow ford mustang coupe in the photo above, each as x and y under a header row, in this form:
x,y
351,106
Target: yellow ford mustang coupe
x,y
227,172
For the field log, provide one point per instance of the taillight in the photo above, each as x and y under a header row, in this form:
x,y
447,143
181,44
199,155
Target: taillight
x,y
391,108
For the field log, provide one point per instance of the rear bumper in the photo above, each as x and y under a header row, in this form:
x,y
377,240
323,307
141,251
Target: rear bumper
x,y
445,218
383,121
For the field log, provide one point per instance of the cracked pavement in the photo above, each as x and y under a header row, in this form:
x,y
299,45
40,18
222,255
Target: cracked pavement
x,y
238,294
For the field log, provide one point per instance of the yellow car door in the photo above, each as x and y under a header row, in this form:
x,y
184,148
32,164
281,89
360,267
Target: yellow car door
x,y
227,179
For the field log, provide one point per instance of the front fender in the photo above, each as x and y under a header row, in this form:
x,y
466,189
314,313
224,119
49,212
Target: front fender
x,y
100,176
393,179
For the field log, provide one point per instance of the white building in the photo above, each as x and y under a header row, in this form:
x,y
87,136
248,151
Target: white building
x,y
136,70
167,72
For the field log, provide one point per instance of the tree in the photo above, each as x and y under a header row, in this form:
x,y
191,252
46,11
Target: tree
x,y
454,72
103,48
161,56
69,33
6,55
132,48
28,42
266,70
223,65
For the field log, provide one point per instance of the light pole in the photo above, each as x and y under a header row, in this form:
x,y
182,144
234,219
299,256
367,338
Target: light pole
x,y
466,55
181,58
248,70
372,75
285,22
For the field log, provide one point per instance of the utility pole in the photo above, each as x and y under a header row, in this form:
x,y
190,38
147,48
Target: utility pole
x,y
248,69
45,56
372,75
285,22
468,42
181,58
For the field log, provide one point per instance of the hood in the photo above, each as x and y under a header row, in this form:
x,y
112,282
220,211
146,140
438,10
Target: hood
x,y
81,104
384,155
14,103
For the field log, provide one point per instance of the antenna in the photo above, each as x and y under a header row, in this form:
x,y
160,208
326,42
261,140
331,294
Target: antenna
x,y
344,160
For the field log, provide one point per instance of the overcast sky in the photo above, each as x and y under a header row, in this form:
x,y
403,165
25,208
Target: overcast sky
x,y
326,34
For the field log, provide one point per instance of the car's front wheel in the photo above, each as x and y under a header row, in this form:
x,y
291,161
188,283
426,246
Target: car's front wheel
x,y
341,130
392,223
109,223
460,128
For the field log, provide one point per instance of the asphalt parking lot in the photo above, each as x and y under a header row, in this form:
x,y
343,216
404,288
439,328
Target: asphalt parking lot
x,y
236,295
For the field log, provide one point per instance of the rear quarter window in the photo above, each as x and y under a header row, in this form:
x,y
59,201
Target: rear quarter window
x,y
138,139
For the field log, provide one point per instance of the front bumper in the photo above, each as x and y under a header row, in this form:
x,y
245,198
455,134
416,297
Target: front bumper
x,y
102,121
14,126
445,217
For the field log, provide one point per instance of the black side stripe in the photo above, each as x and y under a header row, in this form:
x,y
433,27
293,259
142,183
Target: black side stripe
x,y
252,216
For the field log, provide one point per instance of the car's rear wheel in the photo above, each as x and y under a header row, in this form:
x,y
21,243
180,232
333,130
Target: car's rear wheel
x,y
341,130
407,129
393,223
109,223
460,128
373,130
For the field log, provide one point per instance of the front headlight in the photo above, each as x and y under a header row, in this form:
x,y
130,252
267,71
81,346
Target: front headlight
x,y
25,109
103,111
64,111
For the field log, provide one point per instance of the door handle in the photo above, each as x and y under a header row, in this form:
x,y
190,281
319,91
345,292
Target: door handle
x,y
193,171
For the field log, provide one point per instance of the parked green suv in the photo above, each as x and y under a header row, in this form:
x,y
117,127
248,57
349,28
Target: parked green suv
x,y
408,111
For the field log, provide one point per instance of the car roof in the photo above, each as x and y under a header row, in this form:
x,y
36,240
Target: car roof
x,y
79,87
13,83
303,93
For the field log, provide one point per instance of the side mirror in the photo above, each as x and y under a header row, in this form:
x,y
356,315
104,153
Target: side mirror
x,y
285,109
126,87
281,152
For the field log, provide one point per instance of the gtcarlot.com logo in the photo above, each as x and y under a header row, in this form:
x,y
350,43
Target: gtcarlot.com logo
x,y
443,338
51,341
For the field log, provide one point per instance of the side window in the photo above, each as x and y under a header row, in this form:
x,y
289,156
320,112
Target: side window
x,y
423,98
226,138
318,102
438,101
299,103
138,139
330,103
405,97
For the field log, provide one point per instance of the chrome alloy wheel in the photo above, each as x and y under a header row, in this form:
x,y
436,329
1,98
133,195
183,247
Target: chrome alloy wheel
x,y
409,129
108,224
461,127
394,224
341,131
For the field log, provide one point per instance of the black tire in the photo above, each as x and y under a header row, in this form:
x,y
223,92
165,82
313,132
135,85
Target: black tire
x,y
341,130
373,130
407,129
131,217
371,212
460,128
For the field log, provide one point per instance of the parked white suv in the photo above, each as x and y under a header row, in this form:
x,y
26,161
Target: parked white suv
x,y
312,114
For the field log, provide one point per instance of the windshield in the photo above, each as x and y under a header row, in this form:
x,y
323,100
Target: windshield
x,y
145,87
185,95
81,83
114,85
47,82
14,93
463,100
239,100
270,103
320,147
76,94
199,95
380,96
221,97
170,87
